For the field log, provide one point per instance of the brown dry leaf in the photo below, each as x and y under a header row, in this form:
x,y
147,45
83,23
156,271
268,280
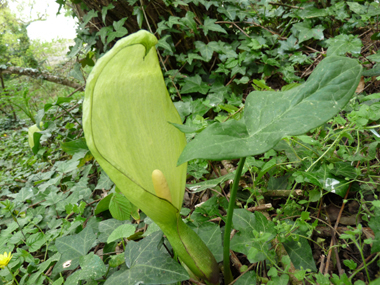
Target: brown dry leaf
x,y
360,87
100,253
350,220
332,212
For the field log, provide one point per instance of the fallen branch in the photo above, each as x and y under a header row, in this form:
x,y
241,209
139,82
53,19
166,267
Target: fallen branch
x,y
35,73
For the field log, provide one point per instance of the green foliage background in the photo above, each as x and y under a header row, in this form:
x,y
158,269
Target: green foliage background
x,y
213,54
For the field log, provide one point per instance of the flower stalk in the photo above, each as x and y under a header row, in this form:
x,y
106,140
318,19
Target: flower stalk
x,y
227,229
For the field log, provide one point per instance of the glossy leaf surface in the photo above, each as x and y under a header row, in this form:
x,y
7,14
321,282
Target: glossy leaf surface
x,y
269,116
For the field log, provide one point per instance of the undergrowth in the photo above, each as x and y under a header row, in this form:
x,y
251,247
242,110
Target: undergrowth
x,y
313,198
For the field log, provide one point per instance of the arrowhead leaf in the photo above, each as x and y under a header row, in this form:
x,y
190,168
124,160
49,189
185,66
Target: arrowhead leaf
x,y
269,116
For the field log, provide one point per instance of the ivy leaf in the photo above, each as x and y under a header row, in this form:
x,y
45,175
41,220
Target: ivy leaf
x,y
229,11
53,198
344,169
72,248
67,166
187,129
173,20
137,11
193,56
305,31
342,44
188,21
164,44
92,268
103,33
247,279
107,227
209,25
86,18
206,50
367,10
211,235
77,73
289,45
74,50
23,195
104,182
194,84
105,10
120,31
209,3
269,116
148,265
245,241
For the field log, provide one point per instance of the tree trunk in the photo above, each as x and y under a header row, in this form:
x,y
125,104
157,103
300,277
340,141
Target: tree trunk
x,y
155,11
5,93
35,73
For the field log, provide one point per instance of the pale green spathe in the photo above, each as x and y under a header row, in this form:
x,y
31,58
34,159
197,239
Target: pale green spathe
x,y
126,115
32,129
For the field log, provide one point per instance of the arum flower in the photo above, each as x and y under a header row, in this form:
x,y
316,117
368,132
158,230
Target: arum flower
x,y
33,129
126,115
4,259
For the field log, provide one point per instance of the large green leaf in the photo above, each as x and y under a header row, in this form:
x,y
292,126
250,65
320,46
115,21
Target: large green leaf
x,y
269,116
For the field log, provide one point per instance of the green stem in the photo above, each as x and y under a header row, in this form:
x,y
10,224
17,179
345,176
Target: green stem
x,y
361,268
64,109
227,229
14,278
363,258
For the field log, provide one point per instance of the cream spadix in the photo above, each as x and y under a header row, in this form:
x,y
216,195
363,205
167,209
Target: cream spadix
x,y
161,185
126,115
